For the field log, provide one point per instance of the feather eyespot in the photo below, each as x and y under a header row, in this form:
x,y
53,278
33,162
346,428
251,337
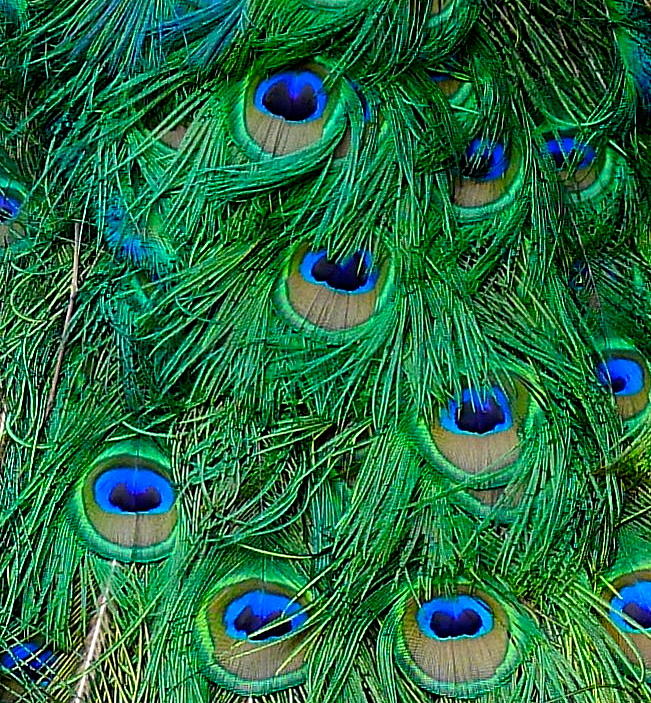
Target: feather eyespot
x,y
31,659
290,110
331,294
478,413
294,96
484,161
447,84
476,436
460,645
250,633
625,374
10,208
628,617
136,490
252,615
487,174
454,618
576,162
630,611
125,508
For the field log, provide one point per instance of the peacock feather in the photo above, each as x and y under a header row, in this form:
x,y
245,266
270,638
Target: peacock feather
x,y
326,351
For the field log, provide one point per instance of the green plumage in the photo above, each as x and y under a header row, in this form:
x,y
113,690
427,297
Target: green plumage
x,y
324,374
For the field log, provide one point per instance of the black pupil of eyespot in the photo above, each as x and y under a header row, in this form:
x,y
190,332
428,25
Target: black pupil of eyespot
x,y
479,418
563,158
617,384
349,276
130,501
478,166
249,622
444,625
293,106
639,613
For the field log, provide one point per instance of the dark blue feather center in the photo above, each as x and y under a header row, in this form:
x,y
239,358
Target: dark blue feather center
x,y
134,490
33,660
353,275
567,151
9,208
245,616
633,604
455,618
623,376
479,413
295,96
484,161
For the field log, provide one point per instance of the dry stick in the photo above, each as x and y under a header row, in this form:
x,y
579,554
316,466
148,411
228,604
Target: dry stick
x,y
74,287
93,643
3,435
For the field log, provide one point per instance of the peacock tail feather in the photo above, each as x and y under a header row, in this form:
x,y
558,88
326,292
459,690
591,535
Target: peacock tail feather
x,y
326,351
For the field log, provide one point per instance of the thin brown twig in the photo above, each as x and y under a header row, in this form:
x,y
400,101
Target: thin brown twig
x,y
93,644
74,287
3,434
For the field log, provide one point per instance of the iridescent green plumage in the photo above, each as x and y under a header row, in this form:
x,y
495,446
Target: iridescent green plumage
x,y
325,356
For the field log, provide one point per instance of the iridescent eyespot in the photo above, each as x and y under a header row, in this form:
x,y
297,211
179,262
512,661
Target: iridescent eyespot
x,y
630,611
625,374
125,508
332,294
133,489
295,96
9,208
484,161
475,438
454,618
462,645
252,615
487,178
352,275
628,599
448,85
478,413
30,659
575,161
292,110
250,633
567,152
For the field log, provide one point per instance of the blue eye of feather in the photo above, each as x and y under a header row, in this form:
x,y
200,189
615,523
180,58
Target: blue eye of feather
x,y
133,490
256,610
623,376
482,413
438,77
31,659
455,618
566,151
353,275
634,603
9,208
28,654
484,161
295,96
